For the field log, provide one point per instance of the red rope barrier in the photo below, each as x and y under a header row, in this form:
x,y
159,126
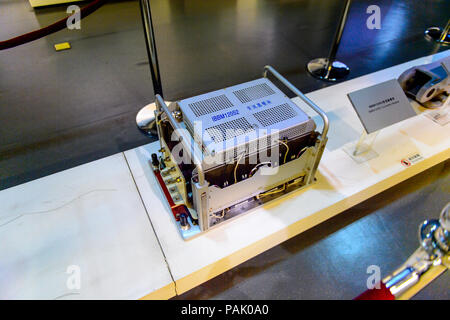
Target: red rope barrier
x,y
55,27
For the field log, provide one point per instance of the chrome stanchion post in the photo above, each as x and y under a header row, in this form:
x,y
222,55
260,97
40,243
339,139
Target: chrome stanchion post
x,y
145,117
329,68
439,35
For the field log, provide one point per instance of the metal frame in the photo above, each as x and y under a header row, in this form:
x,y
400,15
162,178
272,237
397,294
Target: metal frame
x,y
202,191
186,140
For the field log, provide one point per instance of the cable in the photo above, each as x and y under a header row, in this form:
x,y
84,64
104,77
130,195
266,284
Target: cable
x,y
287,150
259,165
263,194
295,181
55,27
219,217
268,162
301,151
237,164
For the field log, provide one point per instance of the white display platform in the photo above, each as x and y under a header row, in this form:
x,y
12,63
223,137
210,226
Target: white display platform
x,y
92,216
88,220
342,183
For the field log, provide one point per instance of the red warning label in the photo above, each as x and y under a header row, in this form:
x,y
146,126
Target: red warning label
x,y
406,163
412,159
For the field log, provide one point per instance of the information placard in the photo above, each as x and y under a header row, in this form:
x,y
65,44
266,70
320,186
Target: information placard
x,y
381,105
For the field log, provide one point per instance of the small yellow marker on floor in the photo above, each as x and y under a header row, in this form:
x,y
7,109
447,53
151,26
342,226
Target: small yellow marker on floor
x,y
62,46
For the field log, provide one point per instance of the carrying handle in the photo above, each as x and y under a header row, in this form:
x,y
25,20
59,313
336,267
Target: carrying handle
x,y
311,104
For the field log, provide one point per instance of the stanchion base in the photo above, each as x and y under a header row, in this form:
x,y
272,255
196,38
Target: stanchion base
x,y
318,69
434,34
145,120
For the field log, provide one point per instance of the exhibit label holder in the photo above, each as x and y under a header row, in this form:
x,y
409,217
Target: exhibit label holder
x,y
361,150
377,107
440,116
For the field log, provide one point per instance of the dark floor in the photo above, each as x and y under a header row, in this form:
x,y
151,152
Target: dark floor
x,y
62,109
330,260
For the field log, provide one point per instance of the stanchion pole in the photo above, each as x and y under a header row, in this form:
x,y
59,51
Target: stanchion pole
x,y
151,45
145,116
439,35
329,68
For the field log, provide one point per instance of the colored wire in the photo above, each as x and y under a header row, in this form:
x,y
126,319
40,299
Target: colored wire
x,y
263,194
237,164
219,217
301,151
259,165
287,150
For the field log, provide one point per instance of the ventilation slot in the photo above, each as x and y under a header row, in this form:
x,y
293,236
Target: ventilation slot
x,y
210,105
253,93
275,114
229,130
294,132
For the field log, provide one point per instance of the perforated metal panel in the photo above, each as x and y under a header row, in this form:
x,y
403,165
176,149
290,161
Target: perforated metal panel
x,y
298,130
210,105
253,93
229,130
275,114
230,117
